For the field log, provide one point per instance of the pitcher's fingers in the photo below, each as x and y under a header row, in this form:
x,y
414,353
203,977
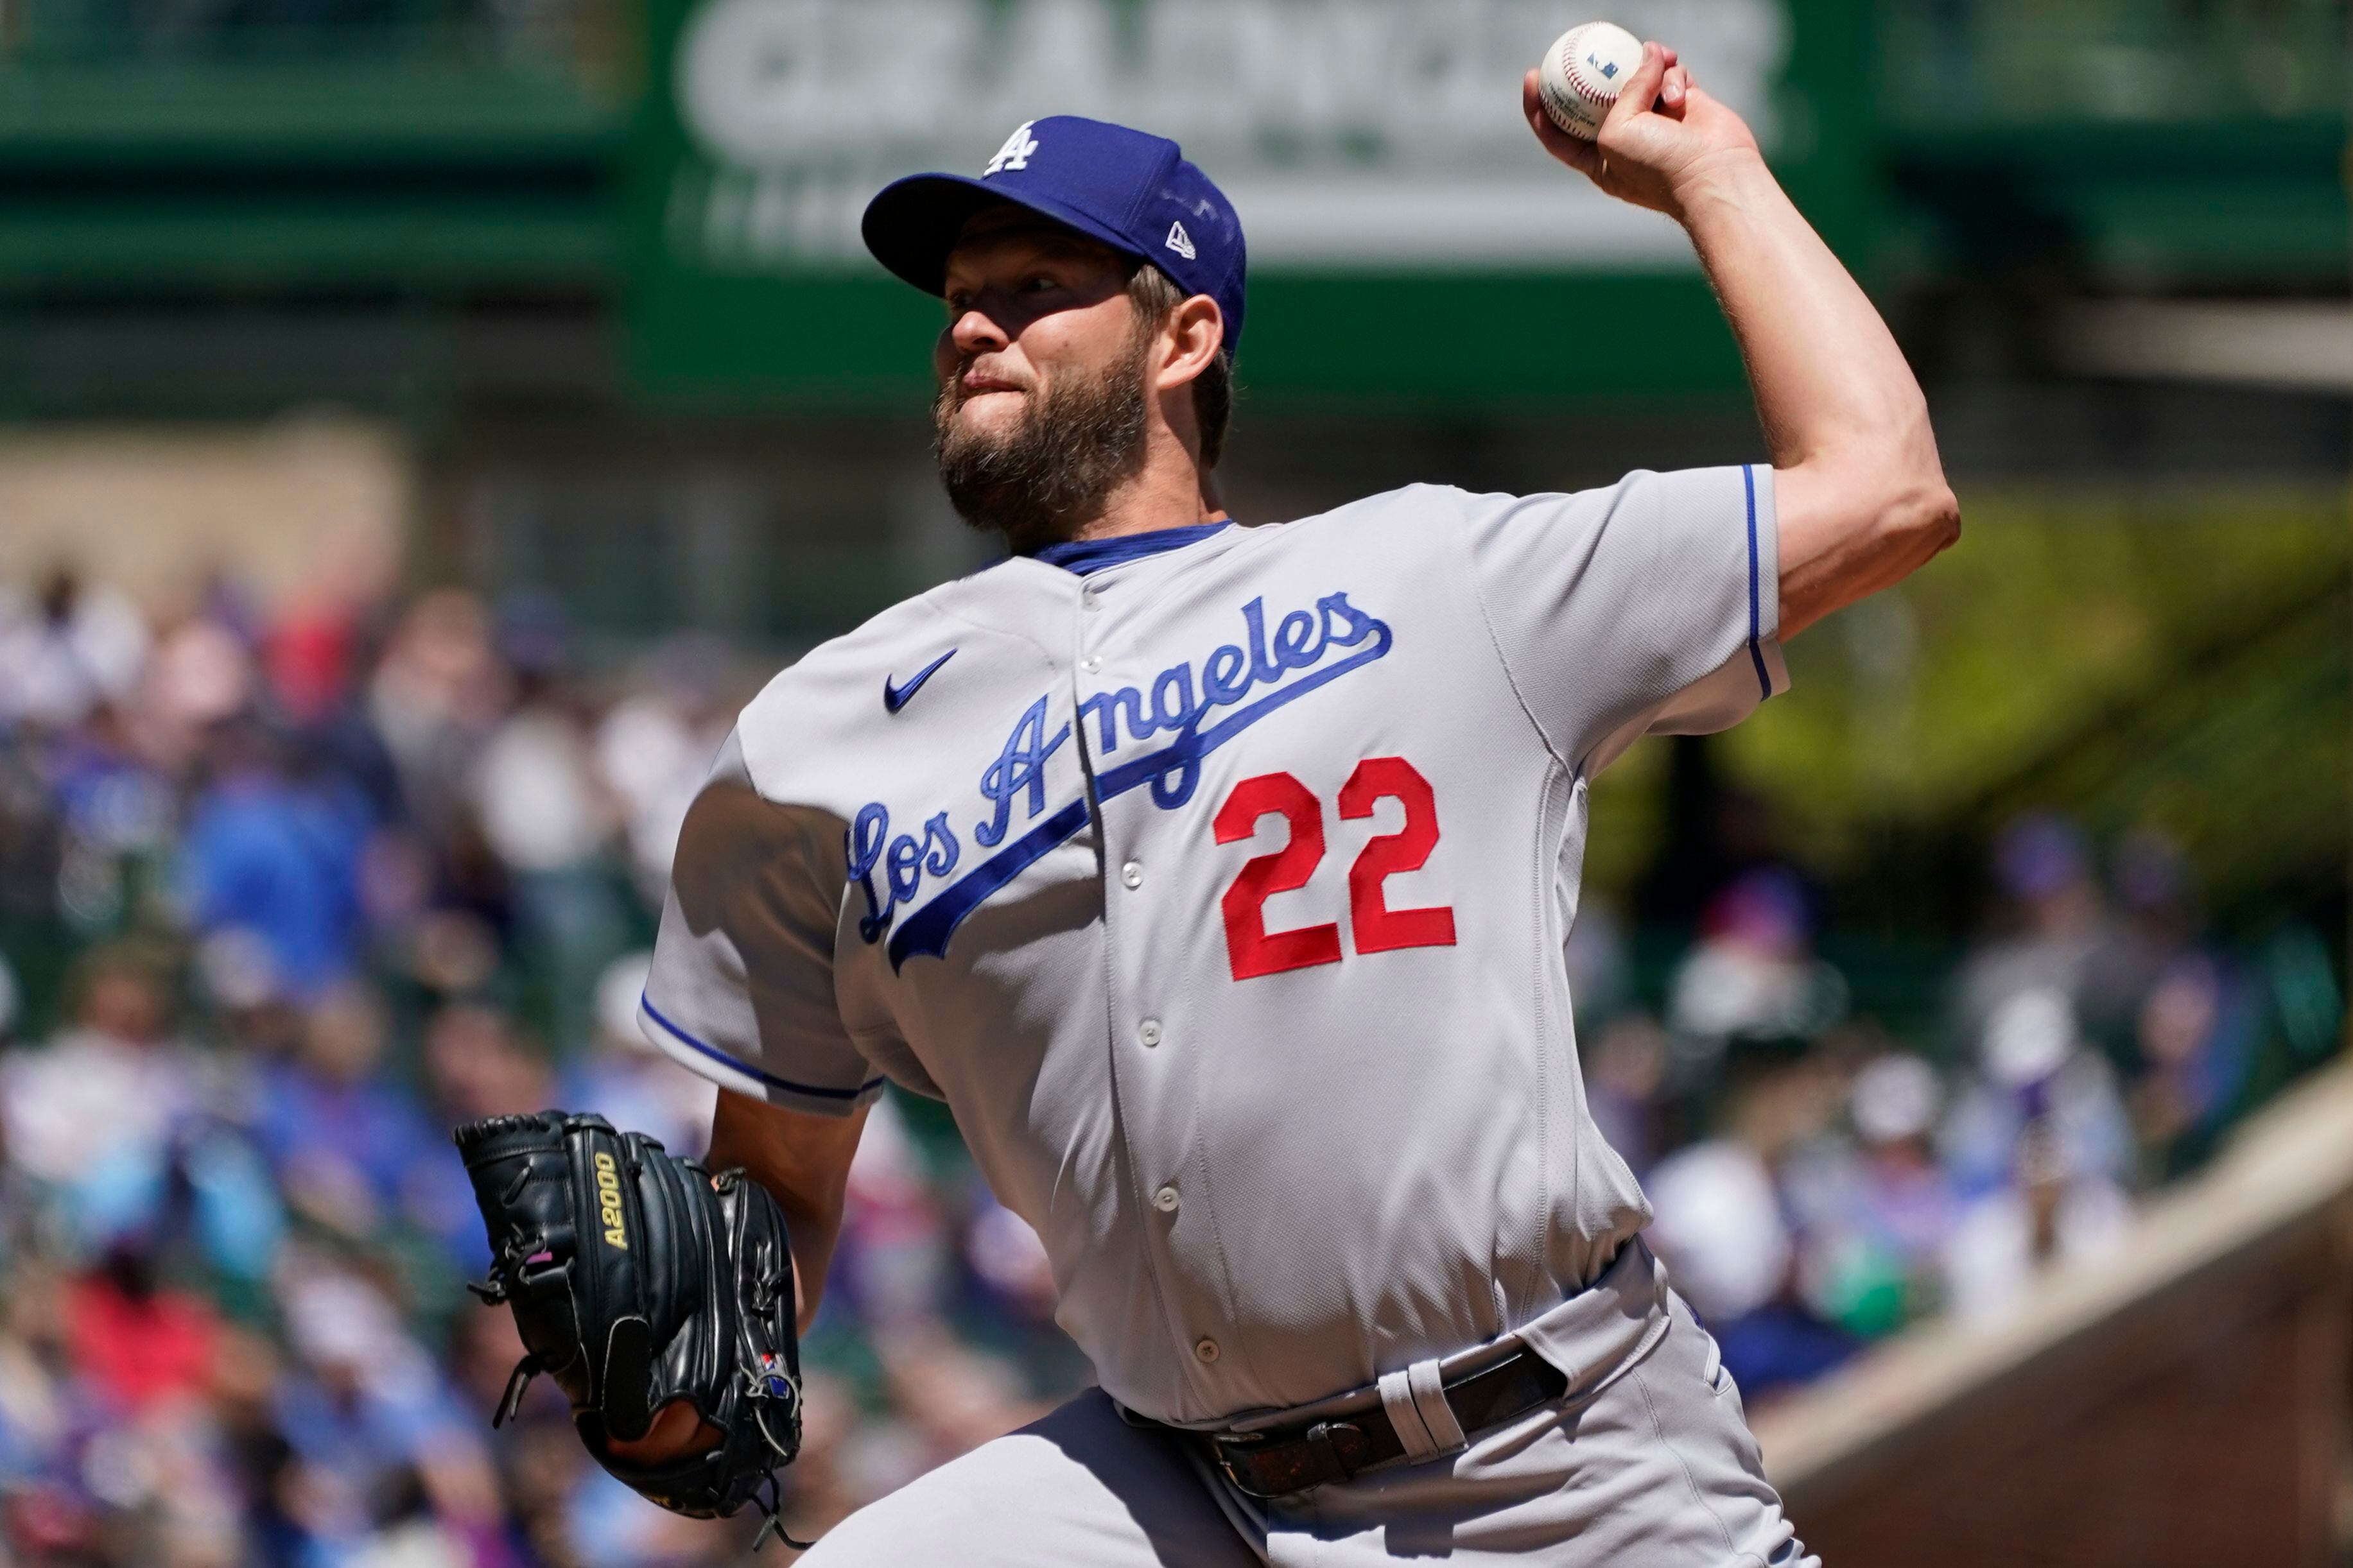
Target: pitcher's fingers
x,y
1672,90
1574,151
1641,91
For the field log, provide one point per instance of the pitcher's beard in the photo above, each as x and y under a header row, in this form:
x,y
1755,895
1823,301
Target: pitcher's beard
x,y
1037,482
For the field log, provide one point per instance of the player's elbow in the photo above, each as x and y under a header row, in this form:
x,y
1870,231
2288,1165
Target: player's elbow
x,y
1848,529
1926,515
1907,511
1885,507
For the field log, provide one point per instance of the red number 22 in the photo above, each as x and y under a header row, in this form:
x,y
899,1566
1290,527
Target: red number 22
x,y
1250,948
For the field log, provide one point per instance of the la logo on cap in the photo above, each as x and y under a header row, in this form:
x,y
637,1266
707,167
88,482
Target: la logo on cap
x,y
1015,154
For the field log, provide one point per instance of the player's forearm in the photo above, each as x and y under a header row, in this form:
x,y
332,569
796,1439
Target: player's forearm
x,y
1826,372
1863,495
804,1161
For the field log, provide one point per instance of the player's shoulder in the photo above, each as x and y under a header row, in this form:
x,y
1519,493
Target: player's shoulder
x,y
831,680
823,711
1425,513
1414,505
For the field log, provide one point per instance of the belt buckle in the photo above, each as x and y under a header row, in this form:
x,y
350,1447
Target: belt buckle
x,y
1223,1444
1330,1467
1227,1447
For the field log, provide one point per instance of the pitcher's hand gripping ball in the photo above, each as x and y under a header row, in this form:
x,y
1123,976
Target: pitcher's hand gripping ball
x,y
636,1278
1582,72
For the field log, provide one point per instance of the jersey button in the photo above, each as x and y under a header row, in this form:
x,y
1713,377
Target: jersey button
x,y
1206,1349
1087,597
1132,874
1165,1200
1148,1032
1092,663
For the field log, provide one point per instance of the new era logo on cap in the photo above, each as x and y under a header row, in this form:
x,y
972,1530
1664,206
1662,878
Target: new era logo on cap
x,y
1180,242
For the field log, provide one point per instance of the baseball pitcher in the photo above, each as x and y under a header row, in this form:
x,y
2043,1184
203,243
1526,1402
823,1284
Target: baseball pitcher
x,y
1216,876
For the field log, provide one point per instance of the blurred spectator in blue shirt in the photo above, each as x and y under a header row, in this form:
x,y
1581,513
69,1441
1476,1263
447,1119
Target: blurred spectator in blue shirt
x,y
279,856
2193,1038
1875,1213
2039,1148
2035,1070
1722,1228
348,1143
368,1409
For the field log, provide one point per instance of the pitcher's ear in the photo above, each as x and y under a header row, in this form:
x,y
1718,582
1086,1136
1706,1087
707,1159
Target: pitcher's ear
x,y
1197,330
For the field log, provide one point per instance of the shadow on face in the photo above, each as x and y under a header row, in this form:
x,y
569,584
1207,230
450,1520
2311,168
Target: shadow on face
x,y
1028,302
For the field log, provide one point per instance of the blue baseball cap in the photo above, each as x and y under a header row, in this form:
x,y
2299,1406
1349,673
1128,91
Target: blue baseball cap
x,y
1132,191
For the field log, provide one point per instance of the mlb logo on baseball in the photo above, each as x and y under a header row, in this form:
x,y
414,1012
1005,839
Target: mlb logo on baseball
x,y
1015,154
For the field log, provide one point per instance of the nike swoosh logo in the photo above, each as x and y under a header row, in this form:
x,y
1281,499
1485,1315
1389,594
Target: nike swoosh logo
x,y
897,697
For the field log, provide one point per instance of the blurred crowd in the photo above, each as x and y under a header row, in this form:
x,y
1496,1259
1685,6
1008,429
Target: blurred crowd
x,y
289,894
1819,1181
286,893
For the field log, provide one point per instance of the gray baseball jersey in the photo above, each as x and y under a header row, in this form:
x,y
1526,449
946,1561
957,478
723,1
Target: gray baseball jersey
x,y
1221,891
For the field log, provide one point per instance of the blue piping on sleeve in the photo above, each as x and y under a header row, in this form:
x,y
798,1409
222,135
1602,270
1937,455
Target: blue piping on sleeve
x,y
747,1068
1756,623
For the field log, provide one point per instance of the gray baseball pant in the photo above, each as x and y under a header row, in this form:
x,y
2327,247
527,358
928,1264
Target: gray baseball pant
x,y
1647,1463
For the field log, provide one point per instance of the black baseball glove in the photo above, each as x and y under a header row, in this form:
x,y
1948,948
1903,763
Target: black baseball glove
x,y
638,1278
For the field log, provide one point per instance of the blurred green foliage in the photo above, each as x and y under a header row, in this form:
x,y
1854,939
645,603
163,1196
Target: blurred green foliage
x,y
2180,662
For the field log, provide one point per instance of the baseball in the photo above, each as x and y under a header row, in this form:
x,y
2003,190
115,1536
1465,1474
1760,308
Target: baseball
x,y
1582,72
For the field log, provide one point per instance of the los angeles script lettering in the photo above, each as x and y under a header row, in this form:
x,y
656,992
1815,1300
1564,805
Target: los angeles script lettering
x,y
1197,706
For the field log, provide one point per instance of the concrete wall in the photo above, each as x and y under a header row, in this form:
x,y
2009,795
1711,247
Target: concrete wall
x,y
287,507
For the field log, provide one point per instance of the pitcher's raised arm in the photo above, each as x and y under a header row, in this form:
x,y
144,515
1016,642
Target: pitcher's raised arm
x,y
1858,487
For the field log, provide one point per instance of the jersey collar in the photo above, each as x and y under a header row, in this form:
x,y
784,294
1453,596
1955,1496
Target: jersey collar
x,y
1085,557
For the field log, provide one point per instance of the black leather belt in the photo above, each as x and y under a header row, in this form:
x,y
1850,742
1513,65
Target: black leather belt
x,y
1286,1459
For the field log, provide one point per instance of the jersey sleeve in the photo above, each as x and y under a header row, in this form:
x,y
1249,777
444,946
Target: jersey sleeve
x,y
1650,606
742,984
